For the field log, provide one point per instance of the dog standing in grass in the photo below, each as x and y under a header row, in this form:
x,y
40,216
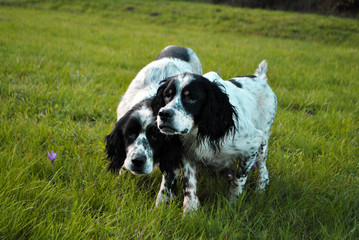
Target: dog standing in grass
x,y
218,123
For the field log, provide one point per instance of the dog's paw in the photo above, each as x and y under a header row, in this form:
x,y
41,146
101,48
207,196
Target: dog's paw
x,y
163,197
261,184
190,205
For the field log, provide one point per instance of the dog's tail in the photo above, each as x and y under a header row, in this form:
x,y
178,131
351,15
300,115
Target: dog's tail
x,y
262,70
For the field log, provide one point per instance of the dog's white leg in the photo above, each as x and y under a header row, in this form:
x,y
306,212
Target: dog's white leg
x,y
263,178
190,202
168,187
161,196
240,179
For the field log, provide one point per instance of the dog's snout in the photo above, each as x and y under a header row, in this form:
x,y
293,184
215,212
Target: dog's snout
x,y
139,161
166,114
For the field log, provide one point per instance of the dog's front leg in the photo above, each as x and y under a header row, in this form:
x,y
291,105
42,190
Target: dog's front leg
x,y
168,186
190,202
241,176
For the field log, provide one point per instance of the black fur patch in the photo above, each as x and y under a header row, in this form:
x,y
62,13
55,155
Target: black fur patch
x,y
247,76
174,52
185,182
187,194
237,84
217,114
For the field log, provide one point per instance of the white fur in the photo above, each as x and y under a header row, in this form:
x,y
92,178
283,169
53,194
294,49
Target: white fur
x,y
136,149
146,82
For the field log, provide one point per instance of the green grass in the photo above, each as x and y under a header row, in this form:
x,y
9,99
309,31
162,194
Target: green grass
x,y
64,66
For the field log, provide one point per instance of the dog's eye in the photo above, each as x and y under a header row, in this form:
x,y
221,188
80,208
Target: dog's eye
x,y
132,136
167,96
189,97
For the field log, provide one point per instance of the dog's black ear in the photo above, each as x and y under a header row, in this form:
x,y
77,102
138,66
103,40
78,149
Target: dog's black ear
x,y
115,148
158,101
217,118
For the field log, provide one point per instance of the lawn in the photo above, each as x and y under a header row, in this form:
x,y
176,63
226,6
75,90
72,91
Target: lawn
x,y
63,68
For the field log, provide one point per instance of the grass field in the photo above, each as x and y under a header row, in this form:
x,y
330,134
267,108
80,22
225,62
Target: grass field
x,y
64,66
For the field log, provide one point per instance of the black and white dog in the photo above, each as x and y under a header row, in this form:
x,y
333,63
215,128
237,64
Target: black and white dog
x,y
136,143
218,122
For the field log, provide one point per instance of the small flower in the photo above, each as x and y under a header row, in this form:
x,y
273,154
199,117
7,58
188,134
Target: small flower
x,y
254,165
52,157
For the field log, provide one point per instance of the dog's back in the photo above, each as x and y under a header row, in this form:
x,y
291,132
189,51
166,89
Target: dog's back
x,y
258,87
184,54
172,60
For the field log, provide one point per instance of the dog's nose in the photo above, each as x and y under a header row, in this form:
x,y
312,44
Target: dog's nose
x,y
139,161
166,114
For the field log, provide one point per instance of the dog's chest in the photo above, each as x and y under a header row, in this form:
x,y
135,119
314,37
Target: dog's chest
x,y
203,153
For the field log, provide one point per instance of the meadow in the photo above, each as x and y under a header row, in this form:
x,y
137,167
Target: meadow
x,y
63,68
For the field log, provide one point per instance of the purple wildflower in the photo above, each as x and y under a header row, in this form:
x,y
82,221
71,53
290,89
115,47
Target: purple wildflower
x,y
52,157
254,165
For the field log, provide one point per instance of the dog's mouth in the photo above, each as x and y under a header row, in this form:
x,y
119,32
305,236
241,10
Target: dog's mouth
x,y
170,130
167,129
139,171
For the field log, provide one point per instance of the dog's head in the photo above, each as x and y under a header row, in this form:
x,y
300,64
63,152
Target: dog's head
x,y
136,143
190,102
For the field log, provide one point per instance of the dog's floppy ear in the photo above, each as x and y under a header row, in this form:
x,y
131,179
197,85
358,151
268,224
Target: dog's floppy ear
x,y
115,147
158,101
217,118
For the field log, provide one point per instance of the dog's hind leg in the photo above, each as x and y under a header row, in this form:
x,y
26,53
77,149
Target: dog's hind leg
x,y
240,179
263,178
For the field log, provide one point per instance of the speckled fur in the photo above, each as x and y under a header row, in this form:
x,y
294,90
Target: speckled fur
x,y
124,151
246,137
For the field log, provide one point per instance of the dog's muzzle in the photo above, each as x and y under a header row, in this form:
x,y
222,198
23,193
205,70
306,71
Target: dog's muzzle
x,y
138,164
166,123
166,114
